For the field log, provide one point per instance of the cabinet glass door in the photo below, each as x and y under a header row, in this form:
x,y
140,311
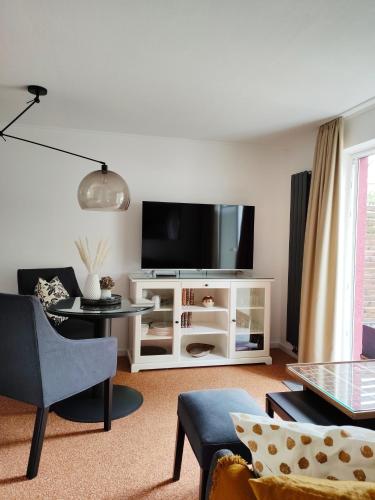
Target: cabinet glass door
x,y
158,330
249,325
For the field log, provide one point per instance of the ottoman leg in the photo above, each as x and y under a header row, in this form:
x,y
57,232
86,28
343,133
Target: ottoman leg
x,y
180,437
203,484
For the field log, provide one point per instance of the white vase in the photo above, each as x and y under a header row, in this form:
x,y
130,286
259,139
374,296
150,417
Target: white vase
x,y
106,294
91,290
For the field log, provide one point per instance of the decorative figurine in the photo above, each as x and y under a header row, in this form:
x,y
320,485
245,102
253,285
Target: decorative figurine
x,y
208,301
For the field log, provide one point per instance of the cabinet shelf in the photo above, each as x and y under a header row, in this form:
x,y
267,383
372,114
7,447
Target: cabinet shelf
x,y
203,309
203,330
246,331
156,337
248,308
209,357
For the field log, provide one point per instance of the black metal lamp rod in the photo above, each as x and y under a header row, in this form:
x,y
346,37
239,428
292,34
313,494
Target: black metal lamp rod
x,y
52,147
19,116
37,91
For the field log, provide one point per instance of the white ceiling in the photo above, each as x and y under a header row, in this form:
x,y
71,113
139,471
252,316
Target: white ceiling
x,y
219,69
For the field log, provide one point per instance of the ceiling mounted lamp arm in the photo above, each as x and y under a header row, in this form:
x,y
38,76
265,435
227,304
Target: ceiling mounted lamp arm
x,y
40,91
35,90
19,116
99,190
103,164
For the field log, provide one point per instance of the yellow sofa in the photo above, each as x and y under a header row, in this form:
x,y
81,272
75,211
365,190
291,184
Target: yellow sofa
x,y
231,479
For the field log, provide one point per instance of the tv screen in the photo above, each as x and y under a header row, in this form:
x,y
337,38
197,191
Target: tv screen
x,y
197,236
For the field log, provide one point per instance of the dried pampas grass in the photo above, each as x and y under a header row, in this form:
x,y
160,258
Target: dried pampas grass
x,y
92,265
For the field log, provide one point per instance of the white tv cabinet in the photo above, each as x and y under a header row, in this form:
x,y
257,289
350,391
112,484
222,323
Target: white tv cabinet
x,y
238,324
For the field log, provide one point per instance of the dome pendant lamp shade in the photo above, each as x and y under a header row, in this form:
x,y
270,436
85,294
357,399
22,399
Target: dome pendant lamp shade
x,y
103,190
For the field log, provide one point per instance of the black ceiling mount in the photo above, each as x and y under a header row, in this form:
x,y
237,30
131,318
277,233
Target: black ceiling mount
x,y
37,90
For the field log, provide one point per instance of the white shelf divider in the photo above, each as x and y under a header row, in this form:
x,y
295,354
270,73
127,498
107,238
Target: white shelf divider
x,y
185,356
156,337
203,330
246,331
248,308
203,309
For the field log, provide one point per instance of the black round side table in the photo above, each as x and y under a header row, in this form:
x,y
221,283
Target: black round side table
x,y
88,405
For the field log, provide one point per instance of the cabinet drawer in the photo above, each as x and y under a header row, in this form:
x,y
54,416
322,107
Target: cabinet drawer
x,y
205,284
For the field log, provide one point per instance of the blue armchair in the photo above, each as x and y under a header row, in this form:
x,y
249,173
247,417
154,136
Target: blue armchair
x,y
40,367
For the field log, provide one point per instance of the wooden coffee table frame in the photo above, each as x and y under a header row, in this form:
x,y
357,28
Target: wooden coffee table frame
x,y
307,407
354,415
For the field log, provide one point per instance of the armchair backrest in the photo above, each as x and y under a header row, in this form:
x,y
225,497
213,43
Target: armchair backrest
x,y
20,373
28,278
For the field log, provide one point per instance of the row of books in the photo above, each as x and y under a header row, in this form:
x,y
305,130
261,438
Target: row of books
x,y
186,319
187,300
188,296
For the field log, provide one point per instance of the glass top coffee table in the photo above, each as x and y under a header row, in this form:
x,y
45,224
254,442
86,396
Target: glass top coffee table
x,y
333,394
348,385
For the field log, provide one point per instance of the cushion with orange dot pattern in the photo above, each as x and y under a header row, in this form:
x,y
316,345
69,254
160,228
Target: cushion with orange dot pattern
x,y
284,448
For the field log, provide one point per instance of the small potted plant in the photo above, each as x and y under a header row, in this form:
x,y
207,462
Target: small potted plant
x,y
106,285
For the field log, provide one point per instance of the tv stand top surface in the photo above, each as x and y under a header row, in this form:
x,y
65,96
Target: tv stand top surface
x,y
191,275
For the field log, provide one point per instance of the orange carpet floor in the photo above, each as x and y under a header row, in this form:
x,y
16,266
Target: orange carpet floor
x,y
134,460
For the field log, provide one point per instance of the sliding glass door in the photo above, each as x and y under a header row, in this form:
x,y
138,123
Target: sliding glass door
x,y
364,269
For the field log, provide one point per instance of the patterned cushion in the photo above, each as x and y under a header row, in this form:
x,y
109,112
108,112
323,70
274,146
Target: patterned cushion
x,y
331,452
50,292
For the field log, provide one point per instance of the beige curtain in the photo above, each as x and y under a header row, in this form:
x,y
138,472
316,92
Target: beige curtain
x,y
318,336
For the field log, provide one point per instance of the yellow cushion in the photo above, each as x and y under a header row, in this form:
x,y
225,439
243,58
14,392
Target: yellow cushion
x,y
294,487
231,480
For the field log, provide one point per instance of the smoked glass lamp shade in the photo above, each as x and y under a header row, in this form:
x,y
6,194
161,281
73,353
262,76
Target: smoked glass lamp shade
x,y
103,190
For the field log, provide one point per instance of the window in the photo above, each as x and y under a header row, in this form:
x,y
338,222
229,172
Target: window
x,y
364,271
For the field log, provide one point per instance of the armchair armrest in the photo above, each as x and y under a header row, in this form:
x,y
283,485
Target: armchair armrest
x,y
71,366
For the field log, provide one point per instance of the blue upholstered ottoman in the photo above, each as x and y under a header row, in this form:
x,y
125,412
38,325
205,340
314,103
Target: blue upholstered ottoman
x,y
204,417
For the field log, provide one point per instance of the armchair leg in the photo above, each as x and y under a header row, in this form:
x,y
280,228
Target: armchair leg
x,y
108,390
37,442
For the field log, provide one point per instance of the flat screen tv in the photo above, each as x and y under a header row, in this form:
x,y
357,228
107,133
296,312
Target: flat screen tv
x,y
197,236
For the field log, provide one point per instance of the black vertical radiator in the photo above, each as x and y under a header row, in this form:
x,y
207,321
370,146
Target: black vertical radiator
x,y
300,190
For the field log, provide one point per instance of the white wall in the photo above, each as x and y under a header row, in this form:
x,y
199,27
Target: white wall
x,y
359,128
282,159
40,216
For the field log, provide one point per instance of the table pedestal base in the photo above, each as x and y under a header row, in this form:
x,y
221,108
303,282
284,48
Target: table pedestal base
x,y
88,406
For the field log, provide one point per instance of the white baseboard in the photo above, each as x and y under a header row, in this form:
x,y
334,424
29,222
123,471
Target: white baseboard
x,y
284,346
122,351
275,344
